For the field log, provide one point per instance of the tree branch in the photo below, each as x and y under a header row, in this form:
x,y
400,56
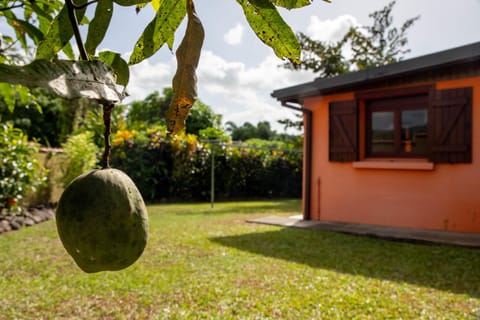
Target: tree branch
x,y
76,30
77,7
107,112
12,7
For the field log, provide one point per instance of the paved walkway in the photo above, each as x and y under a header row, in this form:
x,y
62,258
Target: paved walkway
x,y
426,236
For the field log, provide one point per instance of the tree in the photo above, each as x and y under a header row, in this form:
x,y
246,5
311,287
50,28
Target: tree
x,y
202,117
248,131
50,26
150,111
153,109
371,46
48,122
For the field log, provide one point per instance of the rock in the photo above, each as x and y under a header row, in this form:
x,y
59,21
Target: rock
x,y
15,225
28,222
5,225
36,215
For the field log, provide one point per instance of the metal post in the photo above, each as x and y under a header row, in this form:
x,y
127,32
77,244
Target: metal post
x,y
212,179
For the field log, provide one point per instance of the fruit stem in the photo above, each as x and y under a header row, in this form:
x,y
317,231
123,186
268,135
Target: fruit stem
x,y
107,111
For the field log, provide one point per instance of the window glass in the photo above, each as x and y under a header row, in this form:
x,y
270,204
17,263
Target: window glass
x,y
414,131
383,134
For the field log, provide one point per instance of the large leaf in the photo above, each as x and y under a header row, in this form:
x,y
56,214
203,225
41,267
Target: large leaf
x,y
185,80
119,66
59,33
99,25
68,79
33,32
159,31
19,31
127,3
156,4
291,4
269,26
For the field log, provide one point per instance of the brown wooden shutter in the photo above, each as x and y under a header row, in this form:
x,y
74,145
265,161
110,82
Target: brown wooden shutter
x,y
343,131
450,121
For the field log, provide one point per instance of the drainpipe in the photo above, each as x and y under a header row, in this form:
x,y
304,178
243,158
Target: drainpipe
x,y
307,155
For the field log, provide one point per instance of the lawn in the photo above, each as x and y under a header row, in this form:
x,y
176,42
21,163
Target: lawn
x,y
203,263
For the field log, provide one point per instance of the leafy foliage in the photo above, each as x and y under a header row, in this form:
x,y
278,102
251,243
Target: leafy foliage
x,y
20,171
371,46
80,156
179,167
202,117
160,30
269,26
249,131
51,25
48,121
153,109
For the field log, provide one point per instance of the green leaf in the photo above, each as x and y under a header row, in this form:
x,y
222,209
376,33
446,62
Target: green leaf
x,y
19,32
23,94
156,4
68,50
7,92
269,26
160,30
68,79
127,3
291,4
59,33
118,65
99,25
31,30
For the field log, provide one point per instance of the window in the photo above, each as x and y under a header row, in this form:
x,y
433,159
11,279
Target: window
x,y
397,127
408,123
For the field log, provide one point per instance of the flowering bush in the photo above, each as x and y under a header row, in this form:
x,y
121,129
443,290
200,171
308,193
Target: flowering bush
x,y
179,167
20,171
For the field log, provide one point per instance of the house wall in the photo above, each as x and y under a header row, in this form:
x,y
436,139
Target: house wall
x,y
447,197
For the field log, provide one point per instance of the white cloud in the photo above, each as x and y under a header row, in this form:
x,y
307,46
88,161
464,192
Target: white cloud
x,y
146,78
237,92
330,29
234,36
242,94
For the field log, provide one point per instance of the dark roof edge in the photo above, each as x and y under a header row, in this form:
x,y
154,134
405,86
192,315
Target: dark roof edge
x,y
463,54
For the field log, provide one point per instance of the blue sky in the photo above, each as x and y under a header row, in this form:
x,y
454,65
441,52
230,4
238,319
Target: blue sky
x,y
237,72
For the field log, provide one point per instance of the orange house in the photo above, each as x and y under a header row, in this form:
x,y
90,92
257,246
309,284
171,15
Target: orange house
x,y
397,145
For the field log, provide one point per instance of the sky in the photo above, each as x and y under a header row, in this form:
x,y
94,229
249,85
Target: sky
x,y
237,72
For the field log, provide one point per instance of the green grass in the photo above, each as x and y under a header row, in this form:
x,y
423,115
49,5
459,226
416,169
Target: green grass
x,y
210,264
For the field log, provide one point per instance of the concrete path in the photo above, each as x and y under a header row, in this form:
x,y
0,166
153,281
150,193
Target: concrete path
x,y
426,236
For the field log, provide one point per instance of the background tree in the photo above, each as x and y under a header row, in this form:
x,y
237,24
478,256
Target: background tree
x,y
249,131
49,121
202,117
150,111
371,46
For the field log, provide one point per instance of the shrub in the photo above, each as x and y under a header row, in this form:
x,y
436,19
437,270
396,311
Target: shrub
x,y
20,171
80,156
179,167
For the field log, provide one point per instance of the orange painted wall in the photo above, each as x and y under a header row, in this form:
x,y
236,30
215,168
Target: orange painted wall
x,y
445,198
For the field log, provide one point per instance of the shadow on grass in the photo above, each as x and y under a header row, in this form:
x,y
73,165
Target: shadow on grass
x,y
446,268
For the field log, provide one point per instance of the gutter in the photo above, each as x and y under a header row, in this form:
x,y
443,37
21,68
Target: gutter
x,y
307,155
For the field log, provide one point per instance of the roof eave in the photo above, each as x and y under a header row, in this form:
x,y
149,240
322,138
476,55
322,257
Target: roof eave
x,y
461,55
